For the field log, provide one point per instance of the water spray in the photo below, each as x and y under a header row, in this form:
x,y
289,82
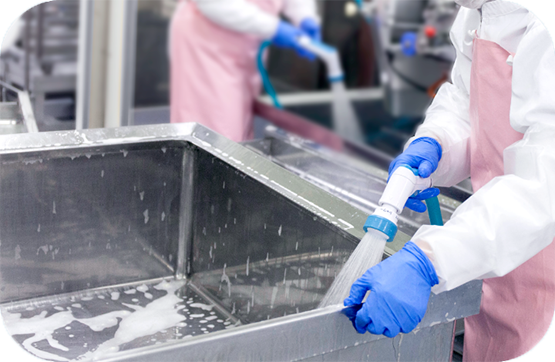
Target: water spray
x,y
345,122
381,227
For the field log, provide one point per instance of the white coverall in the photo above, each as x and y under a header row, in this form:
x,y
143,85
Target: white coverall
x,y
511,219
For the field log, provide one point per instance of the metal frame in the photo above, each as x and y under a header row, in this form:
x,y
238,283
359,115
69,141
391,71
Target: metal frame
x,y
120,65
86,12
128,62
25,106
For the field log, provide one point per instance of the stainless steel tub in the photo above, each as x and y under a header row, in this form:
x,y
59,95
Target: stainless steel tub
x,y
172,243
350,178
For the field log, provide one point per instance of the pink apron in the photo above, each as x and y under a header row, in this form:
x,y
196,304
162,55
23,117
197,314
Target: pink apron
x,y
516,309
214,79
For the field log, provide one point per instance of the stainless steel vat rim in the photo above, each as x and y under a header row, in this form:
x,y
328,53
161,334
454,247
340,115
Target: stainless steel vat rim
x,y
335,211
286,332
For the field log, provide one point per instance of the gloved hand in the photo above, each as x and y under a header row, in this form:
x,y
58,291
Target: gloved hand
x,y
399,291
287,35
422,154
311,28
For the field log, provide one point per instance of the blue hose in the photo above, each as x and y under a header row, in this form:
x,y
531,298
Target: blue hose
x,y
434,211
264,74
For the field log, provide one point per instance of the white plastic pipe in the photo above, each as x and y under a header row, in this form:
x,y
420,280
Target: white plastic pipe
x,y
401,185
329,55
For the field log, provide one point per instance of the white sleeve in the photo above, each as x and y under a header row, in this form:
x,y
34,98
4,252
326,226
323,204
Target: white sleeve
x,y
512,217
447,119
298,10
240,16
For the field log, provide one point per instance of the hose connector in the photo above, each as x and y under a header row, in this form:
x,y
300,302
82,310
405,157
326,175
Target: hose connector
x,y
381,224
402,184
327,54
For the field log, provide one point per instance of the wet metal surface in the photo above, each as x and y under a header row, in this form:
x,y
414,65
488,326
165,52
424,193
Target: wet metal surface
x,y
101,227
84,322
360,184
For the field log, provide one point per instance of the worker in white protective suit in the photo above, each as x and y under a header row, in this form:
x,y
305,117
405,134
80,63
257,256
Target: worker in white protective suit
x,y
496,123
213,48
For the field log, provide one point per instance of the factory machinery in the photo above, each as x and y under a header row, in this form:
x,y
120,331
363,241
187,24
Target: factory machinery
x,y
414,52
42,59
16,111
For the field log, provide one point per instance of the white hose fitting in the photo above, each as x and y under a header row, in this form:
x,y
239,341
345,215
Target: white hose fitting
x,y
401,185
328,54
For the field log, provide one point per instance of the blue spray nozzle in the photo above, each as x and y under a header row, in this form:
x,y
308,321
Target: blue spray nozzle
x,y
381,224
338,78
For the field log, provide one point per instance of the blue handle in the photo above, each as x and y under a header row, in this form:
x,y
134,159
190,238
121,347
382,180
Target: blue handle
x,y
434,211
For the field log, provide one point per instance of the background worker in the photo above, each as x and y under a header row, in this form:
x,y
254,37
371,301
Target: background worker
x,y
213,48
496,123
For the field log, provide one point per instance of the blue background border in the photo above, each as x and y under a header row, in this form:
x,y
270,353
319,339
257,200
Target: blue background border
x,y
10,10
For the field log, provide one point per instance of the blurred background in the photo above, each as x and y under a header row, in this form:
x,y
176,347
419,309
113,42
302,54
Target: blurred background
x,y
105,63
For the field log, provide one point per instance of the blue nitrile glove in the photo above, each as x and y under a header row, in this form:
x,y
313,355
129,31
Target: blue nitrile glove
x,y
311,27
399,291
423,154
287,36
